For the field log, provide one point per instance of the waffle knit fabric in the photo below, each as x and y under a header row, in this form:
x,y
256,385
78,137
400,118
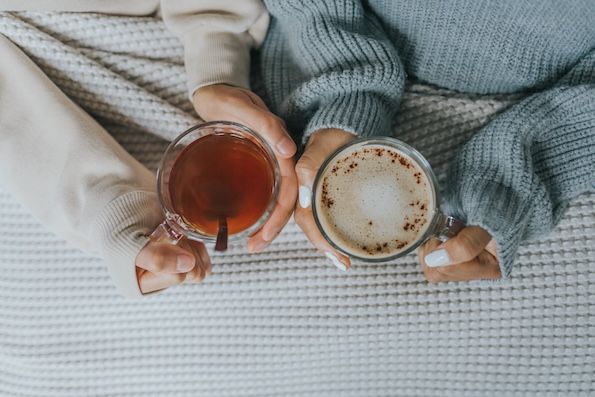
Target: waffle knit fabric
x,y
283,322
342,64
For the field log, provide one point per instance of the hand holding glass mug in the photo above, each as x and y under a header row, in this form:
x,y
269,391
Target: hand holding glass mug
x,y
216,181
376,199
224,102
161,265
319,147
470,255
371,199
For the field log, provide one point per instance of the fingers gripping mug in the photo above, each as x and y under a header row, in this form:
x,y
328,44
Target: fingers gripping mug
x,y
376,199
218,177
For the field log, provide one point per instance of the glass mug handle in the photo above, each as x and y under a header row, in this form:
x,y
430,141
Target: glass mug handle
x,y
447,227
164,233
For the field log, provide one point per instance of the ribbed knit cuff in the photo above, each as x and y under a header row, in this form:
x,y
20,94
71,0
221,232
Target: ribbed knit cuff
x,y
515,177
216,58
121,230
361,113
495,210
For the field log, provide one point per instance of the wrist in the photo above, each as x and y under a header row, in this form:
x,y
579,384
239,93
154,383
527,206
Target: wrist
x,y
204,97
334,135
204,92
228,58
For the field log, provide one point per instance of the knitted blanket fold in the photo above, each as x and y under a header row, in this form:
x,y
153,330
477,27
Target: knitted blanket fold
x,y
284,322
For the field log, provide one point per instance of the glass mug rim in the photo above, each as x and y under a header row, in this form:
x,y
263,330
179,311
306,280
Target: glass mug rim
x,y
174,221
437,221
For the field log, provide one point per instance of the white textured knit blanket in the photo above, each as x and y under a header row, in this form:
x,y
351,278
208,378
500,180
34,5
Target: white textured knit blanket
x,y
285,322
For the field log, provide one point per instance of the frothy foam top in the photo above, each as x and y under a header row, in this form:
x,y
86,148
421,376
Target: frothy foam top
x,y
374,201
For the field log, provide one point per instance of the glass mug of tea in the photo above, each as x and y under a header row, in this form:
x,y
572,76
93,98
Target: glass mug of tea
x,y
376,199
215,180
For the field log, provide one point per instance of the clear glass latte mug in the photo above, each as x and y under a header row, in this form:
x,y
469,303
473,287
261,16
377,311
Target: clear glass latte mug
x,y
441,226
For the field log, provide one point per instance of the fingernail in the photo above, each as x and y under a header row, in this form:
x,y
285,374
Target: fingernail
x,y
286,147
437,258
184,263
305,196
340,265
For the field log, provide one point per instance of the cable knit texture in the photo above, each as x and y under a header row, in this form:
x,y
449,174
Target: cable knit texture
x,y
341,64
284,322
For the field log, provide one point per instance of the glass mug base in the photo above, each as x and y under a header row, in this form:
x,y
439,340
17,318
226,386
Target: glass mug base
x,y
216,181
376,199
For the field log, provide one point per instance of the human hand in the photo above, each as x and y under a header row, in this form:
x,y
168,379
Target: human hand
x,y
320,145
163,265
224,102
470,255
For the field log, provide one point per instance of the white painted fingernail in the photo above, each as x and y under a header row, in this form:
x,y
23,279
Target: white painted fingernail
x,y
437,258
305,196
340,265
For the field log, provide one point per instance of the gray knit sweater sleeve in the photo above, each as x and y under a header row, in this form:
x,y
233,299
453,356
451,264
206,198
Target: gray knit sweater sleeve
x,y
346,73
516,176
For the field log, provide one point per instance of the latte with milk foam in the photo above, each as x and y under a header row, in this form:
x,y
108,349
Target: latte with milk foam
x,y
374,201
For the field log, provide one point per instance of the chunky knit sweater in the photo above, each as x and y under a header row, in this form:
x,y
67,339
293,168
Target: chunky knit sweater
x,y
343,63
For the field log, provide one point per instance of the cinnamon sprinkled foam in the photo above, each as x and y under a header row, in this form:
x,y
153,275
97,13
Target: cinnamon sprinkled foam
x,y
374,201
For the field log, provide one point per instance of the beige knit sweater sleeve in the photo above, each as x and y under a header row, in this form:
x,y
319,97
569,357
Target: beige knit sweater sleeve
x,y
69,172
217,36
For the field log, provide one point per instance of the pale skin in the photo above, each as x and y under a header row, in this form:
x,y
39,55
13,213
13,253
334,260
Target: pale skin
x,y
471,255
161,265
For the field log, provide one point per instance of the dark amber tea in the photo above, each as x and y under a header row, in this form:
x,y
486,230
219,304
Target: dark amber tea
x,y
221,176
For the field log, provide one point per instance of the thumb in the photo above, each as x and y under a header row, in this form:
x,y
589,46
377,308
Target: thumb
x,y
465,246
306,169
165,258
320,145
308,165
222,102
